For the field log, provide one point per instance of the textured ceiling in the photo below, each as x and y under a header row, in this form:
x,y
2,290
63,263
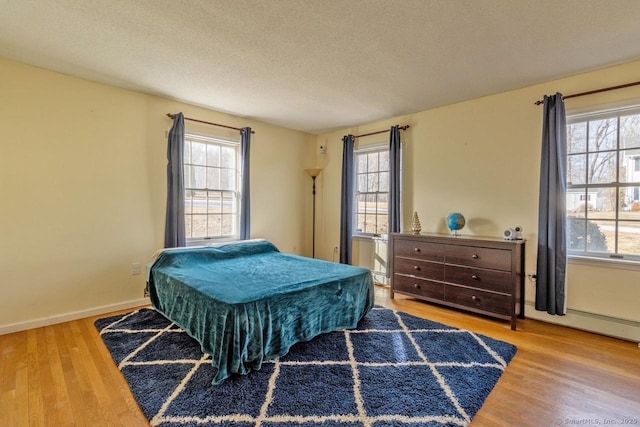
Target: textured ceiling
x,y
320,65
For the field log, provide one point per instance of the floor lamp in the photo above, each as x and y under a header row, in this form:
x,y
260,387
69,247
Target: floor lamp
x,y
313,173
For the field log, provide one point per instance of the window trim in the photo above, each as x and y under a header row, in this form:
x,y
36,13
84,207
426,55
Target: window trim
x,y
220,141
368,148
598,113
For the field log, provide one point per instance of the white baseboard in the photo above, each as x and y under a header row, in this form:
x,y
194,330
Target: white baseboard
x,y
604,325
67,317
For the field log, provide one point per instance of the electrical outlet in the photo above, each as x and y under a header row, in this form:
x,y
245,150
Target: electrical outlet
x,y
135,268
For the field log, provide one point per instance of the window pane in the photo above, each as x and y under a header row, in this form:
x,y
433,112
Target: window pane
x,y
361,203
229,205
382,224
630,203
601,236
577,138
372,182
371,203
630,166
384,160
199,176
227,179
577,169
228,157
198,153
213,155
362,183
214,225
601,203
189,177
383,203
360,224
187,202
187,226
370,224
576,234
213,178
199,226
383,181
576,204
199,202
372,162
227,228
187,151
603,134
214,203
630,131
602,167
382,210
629,237
361,163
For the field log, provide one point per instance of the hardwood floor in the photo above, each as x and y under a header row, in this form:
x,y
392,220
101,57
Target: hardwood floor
x,y
62,375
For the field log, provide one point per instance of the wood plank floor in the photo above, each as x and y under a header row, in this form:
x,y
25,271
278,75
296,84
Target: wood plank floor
x,y
62,375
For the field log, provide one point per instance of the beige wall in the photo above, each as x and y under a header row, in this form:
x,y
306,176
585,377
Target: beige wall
x,y
83,187
482,158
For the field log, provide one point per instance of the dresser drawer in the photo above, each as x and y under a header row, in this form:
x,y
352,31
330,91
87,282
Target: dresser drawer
x,y
419,268
499,281
418,249
497,259
473,298
419,287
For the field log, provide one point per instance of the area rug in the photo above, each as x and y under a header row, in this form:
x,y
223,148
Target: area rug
x,y
393,370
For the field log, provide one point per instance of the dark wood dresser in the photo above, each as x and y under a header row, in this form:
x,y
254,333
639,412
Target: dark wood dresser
x,y
480,274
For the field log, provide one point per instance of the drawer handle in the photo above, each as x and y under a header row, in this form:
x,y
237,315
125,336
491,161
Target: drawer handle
x,y
474,298
415,285
474,277
416,267
475,256
416,249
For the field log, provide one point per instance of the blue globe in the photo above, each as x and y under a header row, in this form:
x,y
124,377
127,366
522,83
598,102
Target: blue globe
x,y
455,221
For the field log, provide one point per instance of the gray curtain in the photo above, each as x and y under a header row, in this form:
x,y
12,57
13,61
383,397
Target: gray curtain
x,y
174,233
552,241
394,180
395,217
245,191
346,209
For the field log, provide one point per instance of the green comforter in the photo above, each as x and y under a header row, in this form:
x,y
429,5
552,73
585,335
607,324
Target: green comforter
x,y
246,302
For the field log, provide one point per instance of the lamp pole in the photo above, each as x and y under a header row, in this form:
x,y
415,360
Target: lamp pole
x,y
313,173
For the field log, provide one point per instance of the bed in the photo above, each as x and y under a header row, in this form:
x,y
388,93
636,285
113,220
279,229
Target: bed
x,y
246,302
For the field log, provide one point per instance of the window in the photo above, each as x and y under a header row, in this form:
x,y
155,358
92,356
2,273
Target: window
x,y
211,184
603,184
371,190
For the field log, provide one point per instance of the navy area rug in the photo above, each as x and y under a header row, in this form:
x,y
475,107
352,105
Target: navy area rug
x,y
393,370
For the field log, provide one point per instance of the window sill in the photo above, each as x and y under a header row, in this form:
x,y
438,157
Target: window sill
x,y
205,242
381,237
619,264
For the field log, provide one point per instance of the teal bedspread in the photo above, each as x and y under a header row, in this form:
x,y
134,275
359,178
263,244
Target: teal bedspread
x,y
247,302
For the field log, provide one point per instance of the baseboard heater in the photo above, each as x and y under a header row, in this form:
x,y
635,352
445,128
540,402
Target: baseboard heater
x,y
592,322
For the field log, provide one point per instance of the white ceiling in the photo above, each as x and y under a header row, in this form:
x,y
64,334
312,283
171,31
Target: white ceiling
x,y
320,65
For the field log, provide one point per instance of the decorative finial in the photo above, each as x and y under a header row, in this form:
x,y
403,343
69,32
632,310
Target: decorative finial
x,y
416,228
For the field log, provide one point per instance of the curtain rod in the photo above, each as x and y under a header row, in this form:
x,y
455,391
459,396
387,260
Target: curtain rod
x,y
405,127
606,89
171,116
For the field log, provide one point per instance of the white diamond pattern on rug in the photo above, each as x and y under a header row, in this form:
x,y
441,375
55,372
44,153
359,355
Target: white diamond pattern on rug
x,y
392,370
